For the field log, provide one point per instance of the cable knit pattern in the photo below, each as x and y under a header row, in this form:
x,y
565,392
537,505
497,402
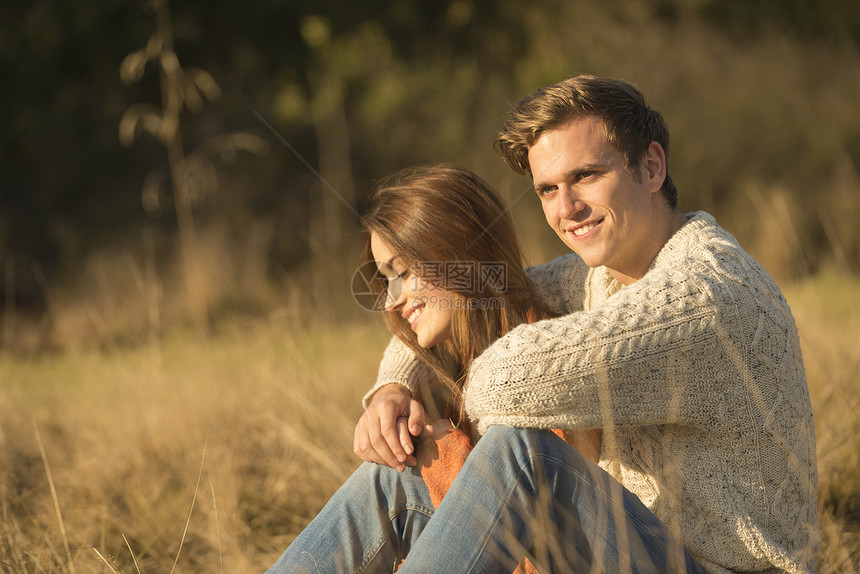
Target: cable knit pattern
x,y
694,373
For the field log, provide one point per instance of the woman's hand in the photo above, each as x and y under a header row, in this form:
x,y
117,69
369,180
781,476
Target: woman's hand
x,y
384,432
438,429
428,450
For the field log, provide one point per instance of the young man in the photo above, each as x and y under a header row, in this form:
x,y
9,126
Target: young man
x,y
672,339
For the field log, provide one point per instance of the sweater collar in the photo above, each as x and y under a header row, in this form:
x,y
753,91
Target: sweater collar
x,y
603,285
696,221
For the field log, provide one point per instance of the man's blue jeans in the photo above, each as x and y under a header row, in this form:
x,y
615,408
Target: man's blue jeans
x,y
522,492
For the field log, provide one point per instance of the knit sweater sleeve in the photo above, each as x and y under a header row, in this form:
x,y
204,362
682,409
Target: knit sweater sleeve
x,y
399,365
560,284
624,362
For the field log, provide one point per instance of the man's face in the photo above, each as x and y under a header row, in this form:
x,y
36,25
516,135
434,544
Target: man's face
x,y
597,208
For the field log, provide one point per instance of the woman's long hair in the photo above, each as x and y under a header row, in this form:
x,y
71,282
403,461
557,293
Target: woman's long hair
x,y
444,217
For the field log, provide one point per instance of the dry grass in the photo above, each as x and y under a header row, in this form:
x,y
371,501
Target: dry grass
x,y
124,432
829,321
272,403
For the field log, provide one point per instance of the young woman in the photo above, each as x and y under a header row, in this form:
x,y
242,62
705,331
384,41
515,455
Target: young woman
x,y
449,275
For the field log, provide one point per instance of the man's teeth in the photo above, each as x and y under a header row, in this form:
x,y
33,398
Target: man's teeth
x,y
415,314
584,229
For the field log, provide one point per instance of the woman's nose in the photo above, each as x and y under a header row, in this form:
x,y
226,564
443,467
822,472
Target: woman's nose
x,y
394,296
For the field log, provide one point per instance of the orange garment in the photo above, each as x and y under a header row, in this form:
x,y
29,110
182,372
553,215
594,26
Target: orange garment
x,y
440,460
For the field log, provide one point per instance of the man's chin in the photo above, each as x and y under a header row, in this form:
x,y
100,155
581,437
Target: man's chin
x,y
588,258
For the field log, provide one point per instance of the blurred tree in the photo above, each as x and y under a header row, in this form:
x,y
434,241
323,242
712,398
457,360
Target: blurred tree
x,y
359,89
833,22
192,175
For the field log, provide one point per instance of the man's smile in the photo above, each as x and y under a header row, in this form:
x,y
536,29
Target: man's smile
x,y
585,228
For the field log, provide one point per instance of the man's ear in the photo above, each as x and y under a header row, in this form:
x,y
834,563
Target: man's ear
x,y
653,168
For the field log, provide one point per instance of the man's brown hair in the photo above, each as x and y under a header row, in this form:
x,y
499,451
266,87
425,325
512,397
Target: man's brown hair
x,y
629,124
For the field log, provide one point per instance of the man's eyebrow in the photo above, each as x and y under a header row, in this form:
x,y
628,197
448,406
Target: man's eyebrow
x,y
538,185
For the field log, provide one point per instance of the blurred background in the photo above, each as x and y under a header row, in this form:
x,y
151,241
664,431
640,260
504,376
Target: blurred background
x,y
251,136
179,189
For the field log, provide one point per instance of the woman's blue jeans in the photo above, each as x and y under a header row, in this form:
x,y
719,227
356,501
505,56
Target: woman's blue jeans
x,y
522,492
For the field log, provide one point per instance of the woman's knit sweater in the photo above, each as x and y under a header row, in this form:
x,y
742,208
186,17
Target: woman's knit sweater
x,y
695,375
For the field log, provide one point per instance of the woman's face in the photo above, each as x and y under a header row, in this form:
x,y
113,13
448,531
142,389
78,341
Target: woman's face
x,y
428,309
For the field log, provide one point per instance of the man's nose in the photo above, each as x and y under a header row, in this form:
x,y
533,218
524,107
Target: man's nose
x,y
568,203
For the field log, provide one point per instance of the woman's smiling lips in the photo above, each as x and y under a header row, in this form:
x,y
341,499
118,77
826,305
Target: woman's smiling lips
x,y
413,314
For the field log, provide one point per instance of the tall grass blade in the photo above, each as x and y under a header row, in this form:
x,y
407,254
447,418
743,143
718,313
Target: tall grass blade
x,y
103,559
130,551
54,497
190,510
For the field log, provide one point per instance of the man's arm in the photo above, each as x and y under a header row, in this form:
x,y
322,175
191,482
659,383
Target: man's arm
x,y
626,362
561,284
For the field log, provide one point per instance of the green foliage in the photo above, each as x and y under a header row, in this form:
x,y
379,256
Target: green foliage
x,y
834,22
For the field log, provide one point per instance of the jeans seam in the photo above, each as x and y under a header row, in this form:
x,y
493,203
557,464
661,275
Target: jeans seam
x,y
496,521
609,496
393,513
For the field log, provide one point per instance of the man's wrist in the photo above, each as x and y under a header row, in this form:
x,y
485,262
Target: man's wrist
x,y
392,388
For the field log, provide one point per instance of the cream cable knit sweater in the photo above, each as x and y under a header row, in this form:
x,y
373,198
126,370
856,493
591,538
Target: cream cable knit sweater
x,y
695,374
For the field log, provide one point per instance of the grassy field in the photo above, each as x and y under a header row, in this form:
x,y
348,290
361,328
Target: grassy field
x,y
191,454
